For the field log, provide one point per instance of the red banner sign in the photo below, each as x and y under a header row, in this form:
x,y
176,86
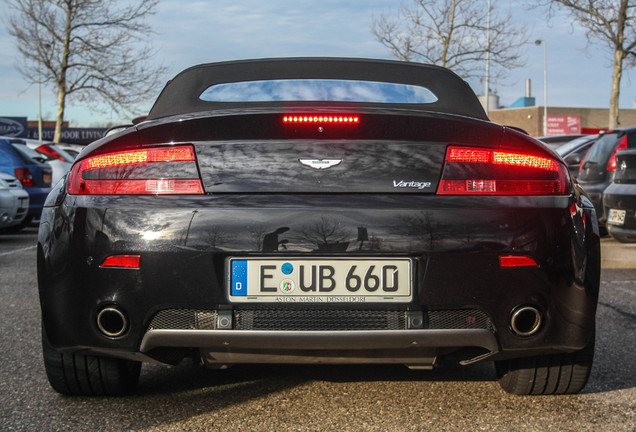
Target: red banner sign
x,y
564,125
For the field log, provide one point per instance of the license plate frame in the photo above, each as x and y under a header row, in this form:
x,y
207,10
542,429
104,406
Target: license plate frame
x,y
319,280
616,217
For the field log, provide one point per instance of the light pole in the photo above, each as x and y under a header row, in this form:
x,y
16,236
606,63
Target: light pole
x,y
545,84
488,62
39,102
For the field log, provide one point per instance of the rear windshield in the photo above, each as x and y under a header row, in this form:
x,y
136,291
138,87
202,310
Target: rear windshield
x,y
333,90
601,151
29,156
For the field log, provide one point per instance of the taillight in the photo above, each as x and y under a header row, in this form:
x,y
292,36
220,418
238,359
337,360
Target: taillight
x,y
321,118
481,171
47,150
622,145
148,171
25,176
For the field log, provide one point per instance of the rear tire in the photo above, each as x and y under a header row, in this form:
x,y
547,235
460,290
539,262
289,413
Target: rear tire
x,y
88,375
544,375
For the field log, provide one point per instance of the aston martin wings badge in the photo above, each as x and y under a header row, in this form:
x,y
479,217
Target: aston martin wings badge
x,y
319,164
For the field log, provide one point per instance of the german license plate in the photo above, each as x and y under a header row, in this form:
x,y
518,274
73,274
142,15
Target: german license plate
x,y
616,217
319,280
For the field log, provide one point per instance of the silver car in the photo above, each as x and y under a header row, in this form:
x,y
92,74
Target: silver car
x,y
14,201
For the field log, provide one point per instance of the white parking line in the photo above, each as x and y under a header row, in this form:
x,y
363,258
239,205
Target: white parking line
x,y
18,250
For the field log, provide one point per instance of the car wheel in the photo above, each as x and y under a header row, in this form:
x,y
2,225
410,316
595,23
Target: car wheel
x,y
550,374
88,375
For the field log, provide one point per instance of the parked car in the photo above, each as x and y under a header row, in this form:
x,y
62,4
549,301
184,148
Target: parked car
x,y
556,141
574,151
30,168
14,201
71,149
599,165
317,211
619,199
59,159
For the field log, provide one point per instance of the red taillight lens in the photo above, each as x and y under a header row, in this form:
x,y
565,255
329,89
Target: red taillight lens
x,y
47,150
25,176
622,145
480,171
511,261
137,172
122,261
321,118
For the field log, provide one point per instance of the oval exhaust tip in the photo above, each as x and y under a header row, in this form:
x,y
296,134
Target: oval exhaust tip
x,y
525,320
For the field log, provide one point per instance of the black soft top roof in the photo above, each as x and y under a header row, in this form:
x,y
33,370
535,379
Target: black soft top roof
x,y
181,94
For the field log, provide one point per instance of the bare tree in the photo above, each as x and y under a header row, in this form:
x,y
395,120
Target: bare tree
x,y
91,50
453,34
612,23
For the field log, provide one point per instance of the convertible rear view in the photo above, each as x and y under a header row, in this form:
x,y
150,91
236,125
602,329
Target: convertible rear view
x,y
318,210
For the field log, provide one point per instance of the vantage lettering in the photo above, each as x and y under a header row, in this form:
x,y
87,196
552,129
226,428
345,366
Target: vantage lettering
x,y
411,184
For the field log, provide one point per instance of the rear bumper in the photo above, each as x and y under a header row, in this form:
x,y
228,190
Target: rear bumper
x,y
184,244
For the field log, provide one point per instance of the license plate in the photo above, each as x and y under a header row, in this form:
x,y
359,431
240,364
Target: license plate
x,y
294,280
616,217
46,177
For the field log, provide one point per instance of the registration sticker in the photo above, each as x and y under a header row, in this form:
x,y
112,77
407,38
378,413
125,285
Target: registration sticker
x,y
319,280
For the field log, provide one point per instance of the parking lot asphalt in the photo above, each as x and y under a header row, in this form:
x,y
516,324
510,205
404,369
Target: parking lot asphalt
x,y
312,398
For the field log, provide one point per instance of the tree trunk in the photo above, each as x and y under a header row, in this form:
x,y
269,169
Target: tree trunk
x,y
61,82
59,120
616,89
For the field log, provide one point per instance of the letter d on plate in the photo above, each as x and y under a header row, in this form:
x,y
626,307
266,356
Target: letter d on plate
x,y
239,278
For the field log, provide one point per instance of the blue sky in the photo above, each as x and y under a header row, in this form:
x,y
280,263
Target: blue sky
x,y
193,32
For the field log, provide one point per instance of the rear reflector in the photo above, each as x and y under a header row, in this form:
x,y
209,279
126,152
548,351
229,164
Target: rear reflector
x,y
516,261
138,172
313,118
122,261
481,171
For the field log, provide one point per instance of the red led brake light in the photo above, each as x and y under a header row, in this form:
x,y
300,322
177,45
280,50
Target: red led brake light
x,y
321,118
478,155
171,154
114,173
481,171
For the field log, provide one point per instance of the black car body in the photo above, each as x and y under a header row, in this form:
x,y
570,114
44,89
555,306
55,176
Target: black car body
x,y
599,165
274,211
619,199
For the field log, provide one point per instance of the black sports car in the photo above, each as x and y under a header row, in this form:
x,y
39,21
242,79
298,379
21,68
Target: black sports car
x,y
320,211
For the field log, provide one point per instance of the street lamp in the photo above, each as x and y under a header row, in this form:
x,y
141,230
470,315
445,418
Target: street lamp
x,y
39,101
545,84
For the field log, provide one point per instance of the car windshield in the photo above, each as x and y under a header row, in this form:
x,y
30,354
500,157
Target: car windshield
x,y
29,155
600,152
573,145
318,90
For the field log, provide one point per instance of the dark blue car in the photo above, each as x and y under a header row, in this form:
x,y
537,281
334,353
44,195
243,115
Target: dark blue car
x,y
28,167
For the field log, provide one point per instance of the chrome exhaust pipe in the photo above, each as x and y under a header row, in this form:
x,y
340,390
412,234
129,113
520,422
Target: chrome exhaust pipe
x,y
112,321
525,320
